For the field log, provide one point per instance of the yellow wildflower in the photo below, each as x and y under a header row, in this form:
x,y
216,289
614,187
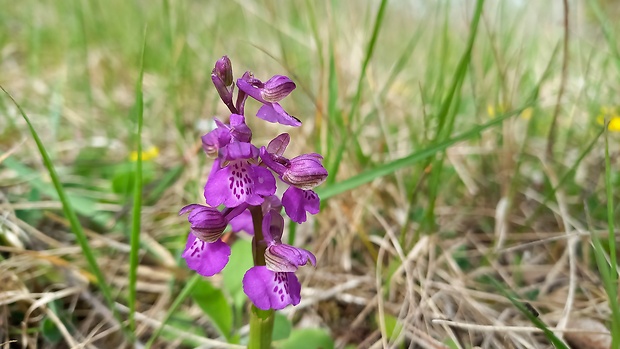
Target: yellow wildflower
x,y
147,155
614,124
526,114
609,114
493,111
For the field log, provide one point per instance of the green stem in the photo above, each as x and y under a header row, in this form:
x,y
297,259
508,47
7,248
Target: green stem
x,y
261,321
261,328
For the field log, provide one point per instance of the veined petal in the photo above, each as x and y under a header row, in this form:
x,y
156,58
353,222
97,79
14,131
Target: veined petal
x,y
271,290
276,88
207,259
215,139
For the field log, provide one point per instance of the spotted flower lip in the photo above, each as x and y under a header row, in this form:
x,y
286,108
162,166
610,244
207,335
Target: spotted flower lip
x,y
297,202
206,258
271,290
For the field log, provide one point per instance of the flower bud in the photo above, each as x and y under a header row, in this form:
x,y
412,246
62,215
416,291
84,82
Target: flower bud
x,y
223,70
276,88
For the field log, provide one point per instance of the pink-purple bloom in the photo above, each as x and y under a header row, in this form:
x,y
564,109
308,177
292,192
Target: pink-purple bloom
x,y
269,94
242,186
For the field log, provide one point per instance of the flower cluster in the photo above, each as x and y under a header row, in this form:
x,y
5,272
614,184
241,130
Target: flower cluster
x,y
241,188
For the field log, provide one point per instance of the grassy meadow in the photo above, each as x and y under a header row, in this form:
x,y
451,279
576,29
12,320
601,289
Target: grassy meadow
x,y
473,149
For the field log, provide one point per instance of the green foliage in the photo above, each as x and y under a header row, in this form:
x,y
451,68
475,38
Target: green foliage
x,y
51,333
281,327
240,261
214,304
306,339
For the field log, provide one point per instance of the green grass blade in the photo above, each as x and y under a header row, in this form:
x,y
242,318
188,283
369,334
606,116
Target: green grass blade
x,y
185,292
388,168
557,342
334,165
612,287
137,197
69,212
571,171
608,30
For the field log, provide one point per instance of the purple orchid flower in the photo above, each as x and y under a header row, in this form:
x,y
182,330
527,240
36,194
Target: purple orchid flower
x,y
275,285
303,173
242,177
205,252
269,94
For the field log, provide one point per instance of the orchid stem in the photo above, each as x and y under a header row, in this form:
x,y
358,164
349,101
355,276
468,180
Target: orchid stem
x,y
261,321
261,328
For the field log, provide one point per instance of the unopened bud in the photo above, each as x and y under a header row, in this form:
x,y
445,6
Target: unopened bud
x,y
223,70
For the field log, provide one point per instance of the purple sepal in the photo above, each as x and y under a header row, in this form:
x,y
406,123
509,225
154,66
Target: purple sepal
x,y
297,202
271,290
273,226
305,171
276,88
207,223
278,145
286,258
207,259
